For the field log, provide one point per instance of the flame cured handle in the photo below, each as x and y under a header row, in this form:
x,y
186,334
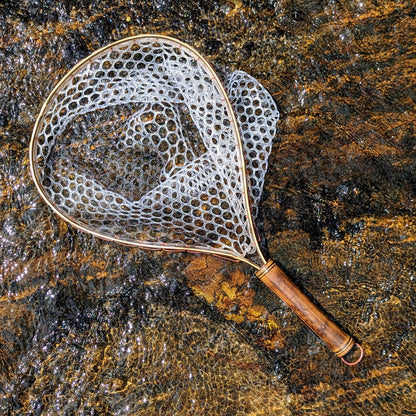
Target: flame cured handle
x,y
339,342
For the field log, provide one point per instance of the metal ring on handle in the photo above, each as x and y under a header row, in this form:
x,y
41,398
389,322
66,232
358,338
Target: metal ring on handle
x,y
359,358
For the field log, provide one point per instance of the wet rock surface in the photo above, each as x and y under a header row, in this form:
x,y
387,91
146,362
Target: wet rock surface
x,y
90,327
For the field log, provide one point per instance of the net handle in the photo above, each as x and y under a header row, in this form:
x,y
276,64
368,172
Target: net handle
x,y
338,341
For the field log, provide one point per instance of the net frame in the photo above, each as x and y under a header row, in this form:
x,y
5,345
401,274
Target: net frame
x,y
245,195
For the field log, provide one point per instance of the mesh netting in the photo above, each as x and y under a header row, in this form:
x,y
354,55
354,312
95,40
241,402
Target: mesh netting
x,y
138,144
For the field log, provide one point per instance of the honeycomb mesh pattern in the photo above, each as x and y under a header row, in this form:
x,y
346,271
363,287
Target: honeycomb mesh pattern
x,y
138,144
257,116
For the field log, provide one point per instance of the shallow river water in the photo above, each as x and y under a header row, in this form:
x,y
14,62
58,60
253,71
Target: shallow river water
x,y
89,327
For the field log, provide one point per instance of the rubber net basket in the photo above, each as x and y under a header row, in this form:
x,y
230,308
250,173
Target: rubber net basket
x,y
141,142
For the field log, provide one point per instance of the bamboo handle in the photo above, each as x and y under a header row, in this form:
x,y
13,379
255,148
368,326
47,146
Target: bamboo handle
x,y
334,337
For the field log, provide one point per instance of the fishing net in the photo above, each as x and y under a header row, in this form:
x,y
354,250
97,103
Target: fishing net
x,y
142,143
